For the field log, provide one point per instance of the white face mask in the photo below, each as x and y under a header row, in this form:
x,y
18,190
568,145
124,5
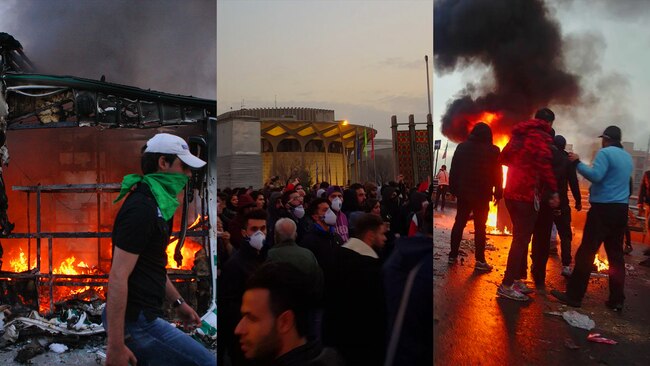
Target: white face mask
x,y
299,211
257,240
330,217
337,203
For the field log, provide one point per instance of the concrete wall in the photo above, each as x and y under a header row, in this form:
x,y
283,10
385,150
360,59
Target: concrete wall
x,y
238,153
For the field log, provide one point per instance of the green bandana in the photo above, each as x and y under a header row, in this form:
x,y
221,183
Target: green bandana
x,y
164,186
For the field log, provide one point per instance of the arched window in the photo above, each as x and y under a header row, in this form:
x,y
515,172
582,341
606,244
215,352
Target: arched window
x,y
335,147
266,146
289,145
315,146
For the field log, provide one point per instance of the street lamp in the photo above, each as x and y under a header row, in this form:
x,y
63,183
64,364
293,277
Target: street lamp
x,y
345,122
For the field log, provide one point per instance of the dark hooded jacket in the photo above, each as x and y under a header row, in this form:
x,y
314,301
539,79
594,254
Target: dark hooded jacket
x,y
565,173
475,173
529,159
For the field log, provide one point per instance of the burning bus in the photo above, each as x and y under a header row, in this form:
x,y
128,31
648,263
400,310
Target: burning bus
x,y
71,141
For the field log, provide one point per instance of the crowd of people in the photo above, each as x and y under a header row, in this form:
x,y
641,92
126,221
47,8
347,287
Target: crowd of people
x,y
540,174
325,275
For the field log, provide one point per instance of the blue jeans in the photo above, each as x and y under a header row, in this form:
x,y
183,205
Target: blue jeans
x,y
157,342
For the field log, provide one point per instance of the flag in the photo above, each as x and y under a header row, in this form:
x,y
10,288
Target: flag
x,y
365,142
372,142
358,148
444,154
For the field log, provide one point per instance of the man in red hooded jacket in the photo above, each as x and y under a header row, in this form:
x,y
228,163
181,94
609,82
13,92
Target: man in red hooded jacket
x,y
530,180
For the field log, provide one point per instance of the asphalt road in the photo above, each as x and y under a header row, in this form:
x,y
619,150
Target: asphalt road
x,y
472,326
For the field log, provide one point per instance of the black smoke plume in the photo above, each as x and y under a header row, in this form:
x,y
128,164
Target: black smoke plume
x,y
520,42
163,45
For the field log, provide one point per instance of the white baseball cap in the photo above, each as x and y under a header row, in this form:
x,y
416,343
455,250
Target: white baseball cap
x,y
165,143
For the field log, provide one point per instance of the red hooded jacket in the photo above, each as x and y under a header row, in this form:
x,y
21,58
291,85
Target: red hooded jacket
x,y
529,158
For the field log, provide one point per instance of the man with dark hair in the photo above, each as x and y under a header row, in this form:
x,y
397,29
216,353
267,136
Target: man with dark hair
x,y
245,204
371,190
357,196
475,177
545,114
530,181
236,272
606,220
335,196
353,201
354,320
138,280
275,317
407,276
566,178
322,239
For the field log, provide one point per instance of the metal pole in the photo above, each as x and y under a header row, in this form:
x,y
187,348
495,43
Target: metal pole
x,y
38,227
414,161
49,256
426,63
430,138
435,168
374,158
393,128
212,203
29,231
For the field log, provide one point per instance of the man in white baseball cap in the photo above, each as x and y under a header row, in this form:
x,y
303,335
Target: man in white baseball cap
x,y
138,281
165,143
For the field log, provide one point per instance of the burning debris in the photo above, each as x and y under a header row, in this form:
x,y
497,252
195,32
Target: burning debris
x,y
53,274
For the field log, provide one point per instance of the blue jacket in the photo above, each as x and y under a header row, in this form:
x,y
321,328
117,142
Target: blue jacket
x,y
609,175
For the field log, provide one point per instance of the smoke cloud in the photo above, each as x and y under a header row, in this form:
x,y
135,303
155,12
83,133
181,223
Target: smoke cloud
x,y
522,45
163,45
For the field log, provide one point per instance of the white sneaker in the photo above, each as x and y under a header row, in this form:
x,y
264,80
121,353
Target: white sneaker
x,y
522,287
566,271
511,292
482,266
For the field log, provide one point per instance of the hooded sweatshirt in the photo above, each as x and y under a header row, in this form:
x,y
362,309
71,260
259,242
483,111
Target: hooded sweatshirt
x,y
529,159
475,173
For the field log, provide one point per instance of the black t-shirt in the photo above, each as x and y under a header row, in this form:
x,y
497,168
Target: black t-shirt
x,y
140,229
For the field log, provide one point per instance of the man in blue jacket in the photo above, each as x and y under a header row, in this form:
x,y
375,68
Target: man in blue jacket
x,y
606,220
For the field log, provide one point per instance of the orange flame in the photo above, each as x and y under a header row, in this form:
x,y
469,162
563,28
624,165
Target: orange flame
x,y
501,141
601,264
190,247
19,264
69,267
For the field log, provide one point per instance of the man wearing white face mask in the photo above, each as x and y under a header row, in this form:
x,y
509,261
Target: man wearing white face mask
x,y
242,264
335,196
322,239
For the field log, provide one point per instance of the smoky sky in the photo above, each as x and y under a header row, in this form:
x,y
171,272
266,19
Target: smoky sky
x,y
520,43
163,45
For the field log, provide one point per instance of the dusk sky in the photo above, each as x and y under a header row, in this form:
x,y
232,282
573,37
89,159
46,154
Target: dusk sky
x,y
363,59
606,44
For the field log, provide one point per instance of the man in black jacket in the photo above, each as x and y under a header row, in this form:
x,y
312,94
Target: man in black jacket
x,y
567,178
243,263
354,320
475,177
